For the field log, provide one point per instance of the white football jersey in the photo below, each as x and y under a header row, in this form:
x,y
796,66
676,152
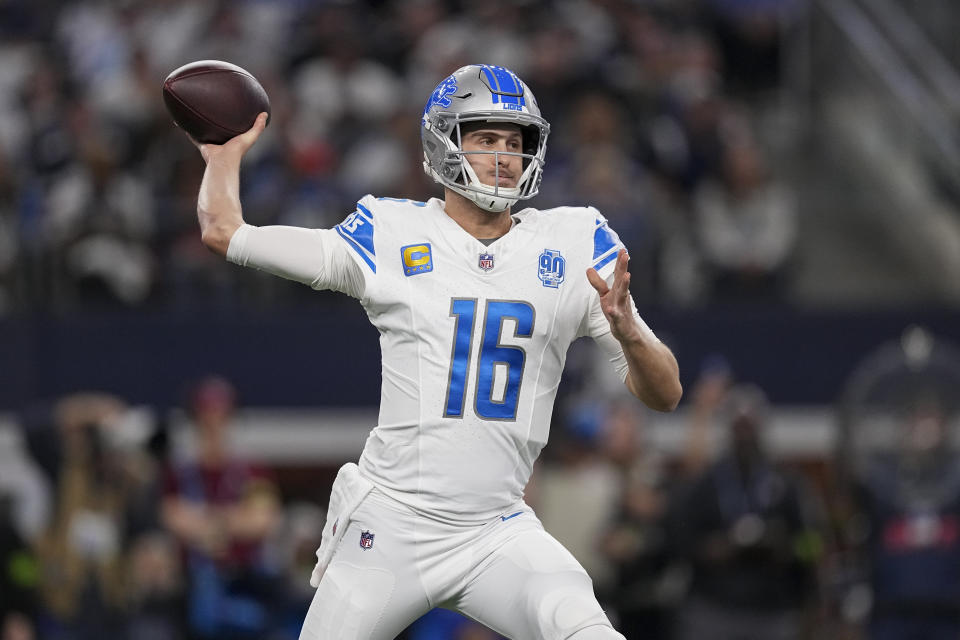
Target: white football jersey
x,y
473,336
473,340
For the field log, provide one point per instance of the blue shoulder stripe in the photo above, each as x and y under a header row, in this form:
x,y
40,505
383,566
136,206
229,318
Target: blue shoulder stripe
x,y
365,211
600,264
356,247
606,244
357,230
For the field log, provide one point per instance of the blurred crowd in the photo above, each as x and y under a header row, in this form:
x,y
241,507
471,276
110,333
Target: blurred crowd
x,y
125,535
114,525
657,107
656,110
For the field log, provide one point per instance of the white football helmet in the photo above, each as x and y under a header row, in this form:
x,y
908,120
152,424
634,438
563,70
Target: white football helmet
x,y
485,93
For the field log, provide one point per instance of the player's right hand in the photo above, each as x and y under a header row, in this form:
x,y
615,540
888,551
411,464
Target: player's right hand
x,y
235,148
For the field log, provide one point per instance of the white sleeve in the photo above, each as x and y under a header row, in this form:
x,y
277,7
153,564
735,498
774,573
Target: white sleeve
x,y
598,328
318,258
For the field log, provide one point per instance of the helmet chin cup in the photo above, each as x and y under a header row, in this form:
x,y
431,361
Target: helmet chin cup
x,y
486,200
492,198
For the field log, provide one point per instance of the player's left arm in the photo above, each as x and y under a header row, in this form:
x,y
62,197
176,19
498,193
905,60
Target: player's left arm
x,y
653,374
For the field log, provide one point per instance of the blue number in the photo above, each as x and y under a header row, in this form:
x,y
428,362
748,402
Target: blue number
x,y
464,309
492,354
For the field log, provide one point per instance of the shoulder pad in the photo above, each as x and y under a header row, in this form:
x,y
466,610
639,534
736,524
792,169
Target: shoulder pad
x,y
379,202
606,242
357,231
359,227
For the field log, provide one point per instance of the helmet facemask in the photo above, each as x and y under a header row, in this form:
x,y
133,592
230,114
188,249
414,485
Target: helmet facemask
x,y
493,196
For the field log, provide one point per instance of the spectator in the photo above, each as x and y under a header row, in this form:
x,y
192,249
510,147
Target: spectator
x,y
81,551
18,579
644,588
155,589
576,495
751,35
596,168
746,224
743,526
708,394
911,502
222,511
296,547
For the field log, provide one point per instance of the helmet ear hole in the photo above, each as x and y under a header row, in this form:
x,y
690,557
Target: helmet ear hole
x,y
531,139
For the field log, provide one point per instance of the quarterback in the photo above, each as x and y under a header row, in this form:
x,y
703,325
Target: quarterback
x,y
476,305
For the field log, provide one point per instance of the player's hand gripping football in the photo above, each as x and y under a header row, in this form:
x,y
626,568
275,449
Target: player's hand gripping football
x,y
236,147
615,300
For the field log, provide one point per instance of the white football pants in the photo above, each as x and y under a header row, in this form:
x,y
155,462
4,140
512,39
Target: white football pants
x,y
508,574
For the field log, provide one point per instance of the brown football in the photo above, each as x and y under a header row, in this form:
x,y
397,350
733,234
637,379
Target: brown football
x,y
213,100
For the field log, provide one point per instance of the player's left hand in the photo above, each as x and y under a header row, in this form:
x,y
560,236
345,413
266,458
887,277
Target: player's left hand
x,y
615,300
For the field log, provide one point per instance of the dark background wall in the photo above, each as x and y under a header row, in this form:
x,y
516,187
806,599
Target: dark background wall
x,y
330,356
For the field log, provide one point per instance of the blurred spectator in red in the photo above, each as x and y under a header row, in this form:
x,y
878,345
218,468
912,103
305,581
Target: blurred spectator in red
x,y
911,504
744,525
222,511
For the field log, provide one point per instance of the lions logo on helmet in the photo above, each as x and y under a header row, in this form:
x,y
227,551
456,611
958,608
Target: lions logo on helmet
x,y
441,95
482,93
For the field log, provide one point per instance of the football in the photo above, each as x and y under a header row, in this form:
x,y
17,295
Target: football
x,y
214,100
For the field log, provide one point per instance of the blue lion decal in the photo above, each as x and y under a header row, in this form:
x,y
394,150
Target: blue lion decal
x,y
441,95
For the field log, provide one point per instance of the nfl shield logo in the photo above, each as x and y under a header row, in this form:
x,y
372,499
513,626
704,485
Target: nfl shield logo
x,y
366,540
486,261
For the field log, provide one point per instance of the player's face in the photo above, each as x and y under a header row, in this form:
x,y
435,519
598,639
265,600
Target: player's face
x,y
495,169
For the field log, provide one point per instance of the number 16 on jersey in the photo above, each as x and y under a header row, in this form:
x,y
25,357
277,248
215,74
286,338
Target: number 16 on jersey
x,y
493,355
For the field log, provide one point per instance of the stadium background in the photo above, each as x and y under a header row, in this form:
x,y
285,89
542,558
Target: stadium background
x,y
783,171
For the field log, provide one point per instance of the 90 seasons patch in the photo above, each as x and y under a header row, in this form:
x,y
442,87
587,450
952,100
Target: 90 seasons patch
x,y
552,268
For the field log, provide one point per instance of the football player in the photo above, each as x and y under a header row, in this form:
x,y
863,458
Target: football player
x,y
476,305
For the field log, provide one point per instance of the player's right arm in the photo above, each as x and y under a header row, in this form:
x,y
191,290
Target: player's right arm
x,y
218,205
319,258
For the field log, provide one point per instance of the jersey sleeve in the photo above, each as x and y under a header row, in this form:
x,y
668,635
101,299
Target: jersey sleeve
x,y
341,259
606,245
357,234
318,258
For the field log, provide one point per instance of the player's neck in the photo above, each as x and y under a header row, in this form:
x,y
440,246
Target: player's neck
x,y
477,222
